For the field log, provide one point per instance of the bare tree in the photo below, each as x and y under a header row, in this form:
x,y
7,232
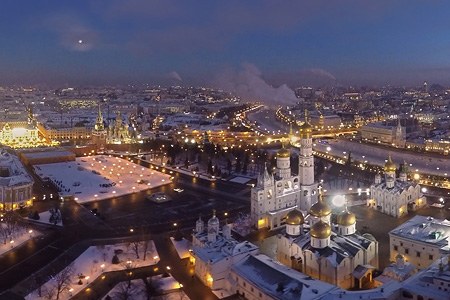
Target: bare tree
x,y
147,246
63,280
125,291
136,245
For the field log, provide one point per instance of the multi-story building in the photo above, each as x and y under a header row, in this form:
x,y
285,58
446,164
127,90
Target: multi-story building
x,y
421,240
395,196
278,193
16,185
341,257
379,133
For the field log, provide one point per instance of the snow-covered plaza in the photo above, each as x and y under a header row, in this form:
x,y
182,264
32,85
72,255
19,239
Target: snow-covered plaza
x,y
100,177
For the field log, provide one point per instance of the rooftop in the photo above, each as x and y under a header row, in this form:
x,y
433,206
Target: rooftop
x,y
425,229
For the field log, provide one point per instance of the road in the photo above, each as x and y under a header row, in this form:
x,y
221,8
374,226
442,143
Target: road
x,y
117,217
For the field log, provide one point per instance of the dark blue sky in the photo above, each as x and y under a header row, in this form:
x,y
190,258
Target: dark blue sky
x,y
295,42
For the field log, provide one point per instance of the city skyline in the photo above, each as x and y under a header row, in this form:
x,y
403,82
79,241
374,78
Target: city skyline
x,y
220,43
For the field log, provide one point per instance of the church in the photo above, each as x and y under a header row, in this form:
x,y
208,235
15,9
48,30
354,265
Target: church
x,y
395,196
334,253
282,191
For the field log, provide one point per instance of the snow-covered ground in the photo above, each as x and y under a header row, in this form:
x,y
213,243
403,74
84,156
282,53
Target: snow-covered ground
x,y
182,247
44,218
100,177
20,236
97,260
168,287
418,162
240,179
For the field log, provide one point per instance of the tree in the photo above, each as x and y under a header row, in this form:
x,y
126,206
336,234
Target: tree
x,y
229,166
63,280
135,245
125,291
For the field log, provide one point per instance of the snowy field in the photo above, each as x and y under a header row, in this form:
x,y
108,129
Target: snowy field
x,y
418,162
182,247
100,177
240,179
95,261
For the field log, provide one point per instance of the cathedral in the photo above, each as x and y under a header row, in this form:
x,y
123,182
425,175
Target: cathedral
x,y
334,253
395,196
282,191
118,131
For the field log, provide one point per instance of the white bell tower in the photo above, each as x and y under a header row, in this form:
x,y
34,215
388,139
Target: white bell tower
x,y
306,167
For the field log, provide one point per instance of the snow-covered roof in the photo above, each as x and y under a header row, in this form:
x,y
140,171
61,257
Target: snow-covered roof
x,y
340,246
279,281
425,229
427,282
399,186
16,173
222,248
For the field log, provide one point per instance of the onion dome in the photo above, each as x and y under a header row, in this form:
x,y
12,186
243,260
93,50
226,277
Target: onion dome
x,y
283,152
295,217
390,165
320,208
320,230
214,220
346,218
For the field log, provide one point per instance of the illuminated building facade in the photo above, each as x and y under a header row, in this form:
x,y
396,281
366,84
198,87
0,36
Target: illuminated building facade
x,y
395,196
341,257
19,135
278,193
16,185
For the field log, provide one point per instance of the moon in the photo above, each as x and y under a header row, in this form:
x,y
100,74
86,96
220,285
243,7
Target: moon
x,y
80,41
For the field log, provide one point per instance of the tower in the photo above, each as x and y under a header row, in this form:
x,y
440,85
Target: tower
x,y
213,227
403,176
284,163
99,132
306,166
400,135
389,173
261,195
199,225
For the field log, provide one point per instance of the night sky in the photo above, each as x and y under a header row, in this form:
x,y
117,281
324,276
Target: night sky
x,y
201,42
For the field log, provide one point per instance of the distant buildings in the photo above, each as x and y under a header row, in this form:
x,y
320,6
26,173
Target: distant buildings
x,y
420,240
16,185
379,133
395,196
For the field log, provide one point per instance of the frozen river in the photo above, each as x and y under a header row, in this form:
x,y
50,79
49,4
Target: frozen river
x,y
421,163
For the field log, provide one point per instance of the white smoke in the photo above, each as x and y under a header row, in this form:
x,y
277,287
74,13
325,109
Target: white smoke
x,y
248,84
174,75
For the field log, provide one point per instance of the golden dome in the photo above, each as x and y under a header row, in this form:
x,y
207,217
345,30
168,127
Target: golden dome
x,y
390,165
295,217
305,127
320,208
283,152
320,230
346,218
